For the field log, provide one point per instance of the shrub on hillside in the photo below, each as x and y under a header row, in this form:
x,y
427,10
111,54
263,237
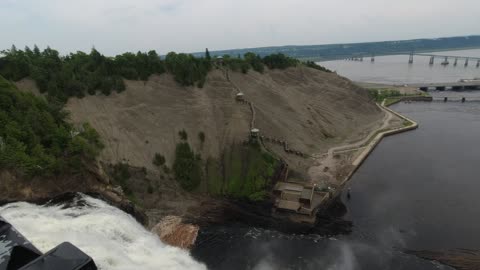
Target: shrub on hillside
x,y
186,167
183,135
201,136
314,65
279,61
158,160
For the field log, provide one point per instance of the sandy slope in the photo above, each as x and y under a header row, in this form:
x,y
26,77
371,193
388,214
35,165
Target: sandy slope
x,y
146,118
312,110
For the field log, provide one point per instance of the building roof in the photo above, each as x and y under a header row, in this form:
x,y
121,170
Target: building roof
x,y
288,186
291,195
288,205
307,194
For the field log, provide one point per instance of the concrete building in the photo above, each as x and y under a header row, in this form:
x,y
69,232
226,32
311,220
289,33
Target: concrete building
x,y
240,97
254,133
299,199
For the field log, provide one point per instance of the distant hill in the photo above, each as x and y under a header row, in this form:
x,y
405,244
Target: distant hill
x,y
339,51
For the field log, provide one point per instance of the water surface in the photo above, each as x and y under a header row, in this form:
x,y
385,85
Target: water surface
x,y
395,69
418,190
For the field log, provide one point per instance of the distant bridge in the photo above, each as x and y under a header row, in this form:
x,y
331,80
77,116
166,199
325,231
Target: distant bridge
x,y
455,86
456,99
446,58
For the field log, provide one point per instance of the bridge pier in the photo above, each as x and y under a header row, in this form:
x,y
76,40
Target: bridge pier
x,y
424,88
445,62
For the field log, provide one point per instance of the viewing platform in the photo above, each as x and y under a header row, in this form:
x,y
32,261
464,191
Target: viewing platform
x,y
303,200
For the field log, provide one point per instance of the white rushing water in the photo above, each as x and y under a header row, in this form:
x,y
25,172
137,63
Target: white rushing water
x,y
111,237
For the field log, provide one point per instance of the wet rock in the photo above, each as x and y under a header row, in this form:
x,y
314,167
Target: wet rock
x,y
174,232
462,259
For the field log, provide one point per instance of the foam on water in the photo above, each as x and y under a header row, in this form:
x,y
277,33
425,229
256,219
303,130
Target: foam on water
x,y
110,236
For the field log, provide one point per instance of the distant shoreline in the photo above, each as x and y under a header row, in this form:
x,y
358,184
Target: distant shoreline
x,y
400,53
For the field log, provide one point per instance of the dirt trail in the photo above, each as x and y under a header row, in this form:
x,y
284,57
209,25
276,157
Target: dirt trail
x,y
327,163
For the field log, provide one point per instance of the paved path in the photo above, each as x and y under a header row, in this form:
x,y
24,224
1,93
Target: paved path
x,y
327,160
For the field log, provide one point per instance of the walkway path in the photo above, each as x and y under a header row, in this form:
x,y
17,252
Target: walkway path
x,y
326,161
252,122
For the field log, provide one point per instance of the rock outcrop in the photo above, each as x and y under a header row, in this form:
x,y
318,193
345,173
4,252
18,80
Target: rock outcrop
x,y
174,232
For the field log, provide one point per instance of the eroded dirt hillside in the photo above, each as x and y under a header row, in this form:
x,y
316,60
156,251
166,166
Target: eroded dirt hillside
x,y
310,109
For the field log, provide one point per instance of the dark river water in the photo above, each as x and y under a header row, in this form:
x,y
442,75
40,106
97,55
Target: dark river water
x,y
417,190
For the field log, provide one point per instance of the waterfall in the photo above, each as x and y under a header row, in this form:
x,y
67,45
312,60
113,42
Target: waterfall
x,y
110,236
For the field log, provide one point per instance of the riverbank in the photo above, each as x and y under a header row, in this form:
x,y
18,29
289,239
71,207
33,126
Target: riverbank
x,y
333,170
373,141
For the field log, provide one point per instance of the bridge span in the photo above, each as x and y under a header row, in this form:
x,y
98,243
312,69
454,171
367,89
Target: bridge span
x,y
455,86
445,58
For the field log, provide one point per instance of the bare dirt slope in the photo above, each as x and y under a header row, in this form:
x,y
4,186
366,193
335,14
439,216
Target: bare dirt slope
x,y
146,118
310,109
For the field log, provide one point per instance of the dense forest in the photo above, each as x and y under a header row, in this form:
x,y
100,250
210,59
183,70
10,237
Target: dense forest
x,y
78,74
36,140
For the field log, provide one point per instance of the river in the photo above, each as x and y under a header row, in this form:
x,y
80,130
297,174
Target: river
x,y
395,69
110,236
418,190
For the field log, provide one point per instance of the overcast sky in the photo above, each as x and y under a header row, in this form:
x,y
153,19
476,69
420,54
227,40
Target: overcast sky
x,y
115,26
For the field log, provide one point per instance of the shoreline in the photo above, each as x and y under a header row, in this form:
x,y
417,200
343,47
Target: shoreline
x,y
379,137
337,170
372,144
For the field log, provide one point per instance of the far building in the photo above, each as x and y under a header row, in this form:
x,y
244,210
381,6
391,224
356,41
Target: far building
x,y
240,97
219,60
254,132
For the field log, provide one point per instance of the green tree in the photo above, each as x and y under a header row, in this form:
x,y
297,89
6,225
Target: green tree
x,y
207,55
201,136
187,167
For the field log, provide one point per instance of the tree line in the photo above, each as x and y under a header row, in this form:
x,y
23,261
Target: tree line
x,y
78,74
